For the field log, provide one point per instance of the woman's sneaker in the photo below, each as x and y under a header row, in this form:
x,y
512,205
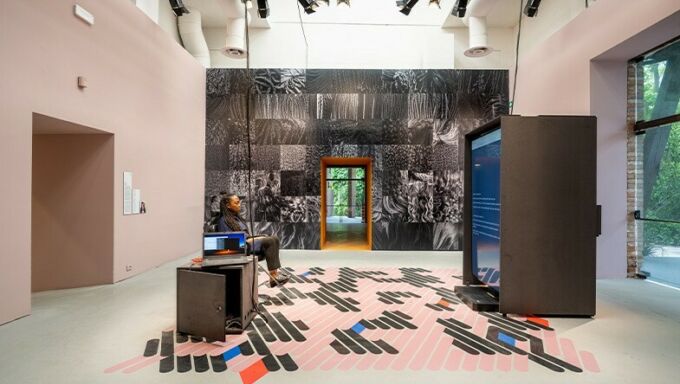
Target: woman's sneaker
x,y
280,279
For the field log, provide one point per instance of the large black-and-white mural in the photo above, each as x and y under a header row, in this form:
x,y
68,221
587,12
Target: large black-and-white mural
x,y
409,122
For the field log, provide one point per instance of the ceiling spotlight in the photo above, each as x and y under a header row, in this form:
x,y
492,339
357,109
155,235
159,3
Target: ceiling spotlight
x,y
435,2
346,2
309,6
532,7
263,8
178,7
406,5
459,8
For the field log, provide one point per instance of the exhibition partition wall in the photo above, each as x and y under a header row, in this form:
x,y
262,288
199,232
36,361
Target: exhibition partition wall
x,y
409,122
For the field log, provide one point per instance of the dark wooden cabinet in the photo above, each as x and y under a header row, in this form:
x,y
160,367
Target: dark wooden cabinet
x,y
215,301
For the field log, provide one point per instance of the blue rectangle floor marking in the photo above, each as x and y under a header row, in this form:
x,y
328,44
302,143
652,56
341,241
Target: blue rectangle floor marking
x,y
306,273
358,328
506,339
230,354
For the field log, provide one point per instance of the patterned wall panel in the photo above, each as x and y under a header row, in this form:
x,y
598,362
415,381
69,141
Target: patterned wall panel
x,y
409,122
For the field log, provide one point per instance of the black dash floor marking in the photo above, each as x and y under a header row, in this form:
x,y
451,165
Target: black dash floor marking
x,y
305,279
287,362
346,340
389,298
366,344
301,325
366,324
399,320
297,292
465,347
218,363
521,324
465,338
346,286
181,338
167,364
380,324
324,285
284,299
326,297
390,322
317,299
271,363
264,330
386,347
258,343
384,300
289,327
183,363
278,331
453,322
287,292
339,348
352,301
402,314
338,287
477,339
151,347
434,307
517,335
167,346
276,301
444,307
201,363
246,348
340,300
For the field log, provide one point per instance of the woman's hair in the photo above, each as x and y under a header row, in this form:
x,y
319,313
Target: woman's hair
x,y
224,203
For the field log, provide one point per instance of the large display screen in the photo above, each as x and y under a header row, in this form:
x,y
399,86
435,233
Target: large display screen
x,y
486,208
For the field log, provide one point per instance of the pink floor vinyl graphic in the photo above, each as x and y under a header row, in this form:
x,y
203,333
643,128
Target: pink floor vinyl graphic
x,y
359,319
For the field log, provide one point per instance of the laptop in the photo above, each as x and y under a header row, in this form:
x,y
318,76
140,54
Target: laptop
x,y
224,248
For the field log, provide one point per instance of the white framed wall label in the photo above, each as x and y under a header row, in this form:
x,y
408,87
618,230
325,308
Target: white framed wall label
x,y
127,193
136,200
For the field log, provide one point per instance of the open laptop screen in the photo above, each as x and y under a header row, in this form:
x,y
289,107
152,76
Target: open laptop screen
x,y
224,244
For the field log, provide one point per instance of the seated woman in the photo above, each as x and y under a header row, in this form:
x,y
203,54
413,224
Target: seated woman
x,y
267,246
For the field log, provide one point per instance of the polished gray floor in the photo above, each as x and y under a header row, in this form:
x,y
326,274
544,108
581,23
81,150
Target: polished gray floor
x,y
74,335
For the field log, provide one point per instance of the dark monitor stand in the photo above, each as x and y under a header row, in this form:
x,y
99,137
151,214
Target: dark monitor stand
x,y
215,301
478,298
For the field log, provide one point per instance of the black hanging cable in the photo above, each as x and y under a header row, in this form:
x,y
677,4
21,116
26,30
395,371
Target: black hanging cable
x,y
514,81
302,26
253,297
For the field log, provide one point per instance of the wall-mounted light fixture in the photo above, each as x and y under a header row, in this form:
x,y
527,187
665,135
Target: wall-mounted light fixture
x,y
459,8
406,6
309,6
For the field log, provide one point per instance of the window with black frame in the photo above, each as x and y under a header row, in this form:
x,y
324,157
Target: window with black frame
x,y
658,157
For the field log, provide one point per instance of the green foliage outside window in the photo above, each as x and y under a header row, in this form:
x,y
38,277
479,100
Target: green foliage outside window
x,y
665,199
341,190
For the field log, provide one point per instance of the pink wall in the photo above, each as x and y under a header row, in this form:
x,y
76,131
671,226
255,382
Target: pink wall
x,y
143,88
72,210
578,71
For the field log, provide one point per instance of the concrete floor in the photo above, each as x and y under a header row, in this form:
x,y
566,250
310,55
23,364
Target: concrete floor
x,y
74,335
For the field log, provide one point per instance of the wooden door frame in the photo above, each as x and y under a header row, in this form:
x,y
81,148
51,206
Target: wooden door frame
x,y
348,162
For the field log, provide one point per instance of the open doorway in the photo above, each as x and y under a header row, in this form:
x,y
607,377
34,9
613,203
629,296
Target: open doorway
x,y
72,205
346,216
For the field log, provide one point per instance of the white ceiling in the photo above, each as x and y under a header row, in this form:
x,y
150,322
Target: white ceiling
x,y
380,12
